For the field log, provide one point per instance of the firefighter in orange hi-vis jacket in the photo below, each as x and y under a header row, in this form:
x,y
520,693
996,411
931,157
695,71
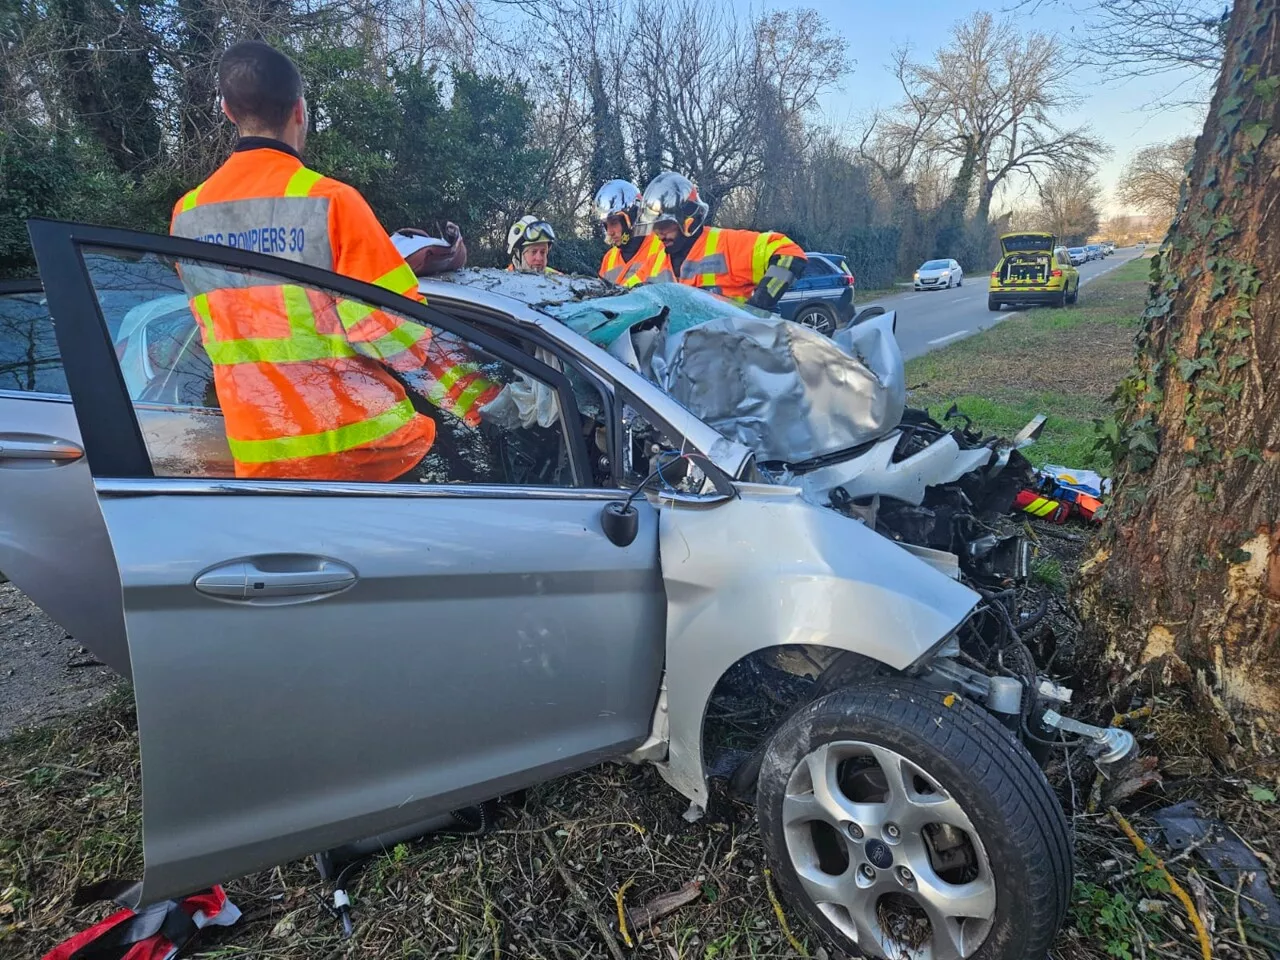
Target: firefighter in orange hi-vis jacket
x,y
751,267
632,258
307,381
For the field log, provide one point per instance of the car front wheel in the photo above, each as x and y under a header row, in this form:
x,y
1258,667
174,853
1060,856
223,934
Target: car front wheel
x,y
903,821
819,317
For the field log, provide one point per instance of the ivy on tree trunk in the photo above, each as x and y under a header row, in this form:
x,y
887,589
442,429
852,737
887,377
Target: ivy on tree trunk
x,y
1187,576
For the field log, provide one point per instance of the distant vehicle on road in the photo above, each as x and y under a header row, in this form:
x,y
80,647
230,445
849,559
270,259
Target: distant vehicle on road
x,y
1094,250
1077,255
1034,269
823,296
939,275
1108,248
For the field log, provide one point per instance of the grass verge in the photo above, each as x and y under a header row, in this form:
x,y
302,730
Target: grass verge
x,y
541,886
1060,362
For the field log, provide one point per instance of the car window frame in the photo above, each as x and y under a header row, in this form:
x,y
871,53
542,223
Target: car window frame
x,y
498,324
616,395
110,432
19,287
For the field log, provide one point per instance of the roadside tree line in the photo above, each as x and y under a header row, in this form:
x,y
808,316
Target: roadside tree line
x,y
480,111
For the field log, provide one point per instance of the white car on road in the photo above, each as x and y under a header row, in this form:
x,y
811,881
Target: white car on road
x,y
938,275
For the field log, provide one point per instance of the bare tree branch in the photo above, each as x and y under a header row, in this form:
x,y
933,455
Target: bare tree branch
x,y
1152,181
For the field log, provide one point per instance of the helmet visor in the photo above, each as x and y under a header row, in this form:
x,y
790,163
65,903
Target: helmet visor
x,y
538,232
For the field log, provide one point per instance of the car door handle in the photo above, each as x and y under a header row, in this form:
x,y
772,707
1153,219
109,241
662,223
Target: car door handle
x,y
28,447
275,579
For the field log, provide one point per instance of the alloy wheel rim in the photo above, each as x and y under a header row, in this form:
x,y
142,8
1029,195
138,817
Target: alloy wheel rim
x,y
814,320
887,855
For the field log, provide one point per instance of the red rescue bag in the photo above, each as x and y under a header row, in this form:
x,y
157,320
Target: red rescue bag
x,y
158,932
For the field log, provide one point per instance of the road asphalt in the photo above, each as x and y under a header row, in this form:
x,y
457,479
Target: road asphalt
x,y
934,318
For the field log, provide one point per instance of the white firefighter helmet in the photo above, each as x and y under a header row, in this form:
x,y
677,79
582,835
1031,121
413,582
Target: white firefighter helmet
x,y
526,231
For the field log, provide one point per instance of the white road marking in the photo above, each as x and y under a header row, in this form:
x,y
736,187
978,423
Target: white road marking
x,y
949,336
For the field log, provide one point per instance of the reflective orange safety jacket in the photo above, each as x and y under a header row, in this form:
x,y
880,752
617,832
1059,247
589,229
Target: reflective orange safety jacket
x,y
649,265
733,262
304,377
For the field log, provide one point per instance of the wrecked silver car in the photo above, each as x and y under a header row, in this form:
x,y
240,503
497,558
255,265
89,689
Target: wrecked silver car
x,y
677,489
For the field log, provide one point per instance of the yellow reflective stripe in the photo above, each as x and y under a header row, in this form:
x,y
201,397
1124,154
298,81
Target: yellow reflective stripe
x,y
298,348
297,307
304,342
400,339
467,399
340,439
1041,507
351,312
713,239
200,304
399,280
660,263
190,200
301,182
611,268
456,373
759,257
776,245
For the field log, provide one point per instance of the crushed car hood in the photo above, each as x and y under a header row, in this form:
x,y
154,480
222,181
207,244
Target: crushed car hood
x,y
783,390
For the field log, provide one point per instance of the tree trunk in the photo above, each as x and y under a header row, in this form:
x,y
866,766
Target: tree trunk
x,y
1187,576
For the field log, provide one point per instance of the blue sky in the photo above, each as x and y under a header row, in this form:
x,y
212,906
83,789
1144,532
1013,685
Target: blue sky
x,y
1119,110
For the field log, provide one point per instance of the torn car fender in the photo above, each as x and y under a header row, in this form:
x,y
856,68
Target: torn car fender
x,y
769,568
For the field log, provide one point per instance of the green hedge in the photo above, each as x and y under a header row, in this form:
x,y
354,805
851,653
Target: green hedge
x,y
578,255
873,255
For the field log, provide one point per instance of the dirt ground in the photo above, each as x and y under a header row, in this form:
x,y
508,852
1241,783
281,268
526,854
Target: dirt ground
x,y
44,672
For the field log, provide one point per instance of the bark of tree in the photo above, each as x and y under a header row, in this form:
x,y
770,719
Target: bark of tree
x,y
1186,581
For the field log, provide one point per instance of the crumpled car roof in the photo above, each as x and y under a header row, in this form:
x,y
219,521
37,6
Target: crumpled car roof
x,y
534,289
786,392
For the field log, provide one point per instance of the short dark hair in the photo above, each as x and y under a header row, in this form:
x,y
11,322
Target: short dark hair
x,y
259,84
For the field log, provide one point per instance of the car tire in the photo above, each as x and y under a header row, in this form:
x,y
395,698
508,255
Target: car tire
x,y
866,313
818,317
1062,299
993,304
977,845
1075,295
